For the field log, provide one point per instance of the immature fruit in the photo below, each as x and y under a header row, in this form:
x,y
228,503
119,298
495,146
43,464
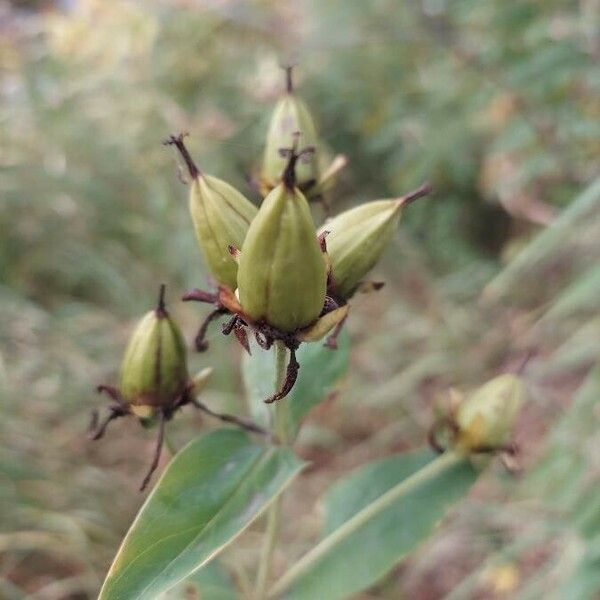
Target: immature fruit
x,y
486,418
282,275
356,240
358,237
221,216
290,118
154,370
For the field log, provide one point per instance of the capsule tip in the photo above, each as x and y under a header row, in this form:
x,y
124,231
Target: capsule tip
x,y
161,310
289,81
420,192
177,141
293,155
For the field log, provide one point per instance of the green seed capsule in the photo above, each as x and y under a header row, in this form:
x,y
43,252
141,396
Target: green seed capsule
x,y
290,117
221,216
356,240
486,418
154,370
282,275
358,237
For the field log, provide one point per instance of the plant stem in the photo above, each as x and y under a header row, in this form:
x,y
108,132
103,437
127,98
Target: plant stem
x,y
268,549
274,514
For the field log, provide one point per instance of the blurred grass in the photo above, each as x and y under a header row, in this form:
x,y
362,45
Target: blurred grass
x,y
495,103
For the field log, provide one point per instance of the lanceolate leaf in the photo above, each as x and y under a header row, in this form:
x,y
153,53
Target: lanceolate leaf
x,y
562,479
566,232
362,487
258,373
320,370
373,518
211,582
582,296
212,490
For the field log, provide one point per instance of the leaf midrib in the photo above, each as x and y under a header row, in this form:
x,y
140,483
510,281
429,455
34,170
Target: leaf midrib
x,y
362,517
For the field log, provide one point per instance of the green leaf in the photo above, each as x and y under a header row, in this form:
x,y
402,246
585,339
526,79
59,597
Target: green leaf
x,y
374,518
320,370
258,374
566,232
211,582
564,504
350,495
562,478
212,490
583,295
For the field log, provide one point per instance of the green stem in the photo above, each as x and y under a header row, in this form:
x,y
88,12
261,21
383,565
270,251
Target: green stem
x,y
274,514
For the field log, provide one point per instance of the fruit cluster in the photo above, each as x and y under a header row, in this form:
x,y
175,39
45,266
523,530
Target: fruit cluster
x,y
277,276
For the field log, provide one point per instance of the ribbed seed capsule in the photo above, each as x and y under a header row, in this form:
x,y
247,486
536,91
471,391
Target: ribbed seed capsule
x,y
282,275
221,216
290,118
485,419
358,237
154,369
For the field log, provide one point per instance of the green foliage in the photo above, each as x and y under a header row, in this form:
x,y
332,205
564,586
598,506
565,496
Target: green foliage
x,y
373,518
557,507
561,479
321,369
363,486
212,490
493,102
211,582
573,232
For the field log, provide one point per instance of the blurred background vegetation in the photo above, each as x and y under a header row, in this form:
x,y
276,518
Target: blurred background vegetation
x,y
495,103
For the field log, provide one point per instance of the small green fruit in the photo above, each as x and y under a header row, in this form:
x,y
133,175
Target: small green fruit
x,y
282,275
154,369
357,238
221,216
486,418
290,117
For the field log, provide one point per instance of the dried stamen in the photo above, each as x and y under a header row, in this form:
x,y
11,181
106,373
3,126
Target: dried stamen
x,y
96,429
291,375
289,173
331,341
226,418
157,452
199,341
